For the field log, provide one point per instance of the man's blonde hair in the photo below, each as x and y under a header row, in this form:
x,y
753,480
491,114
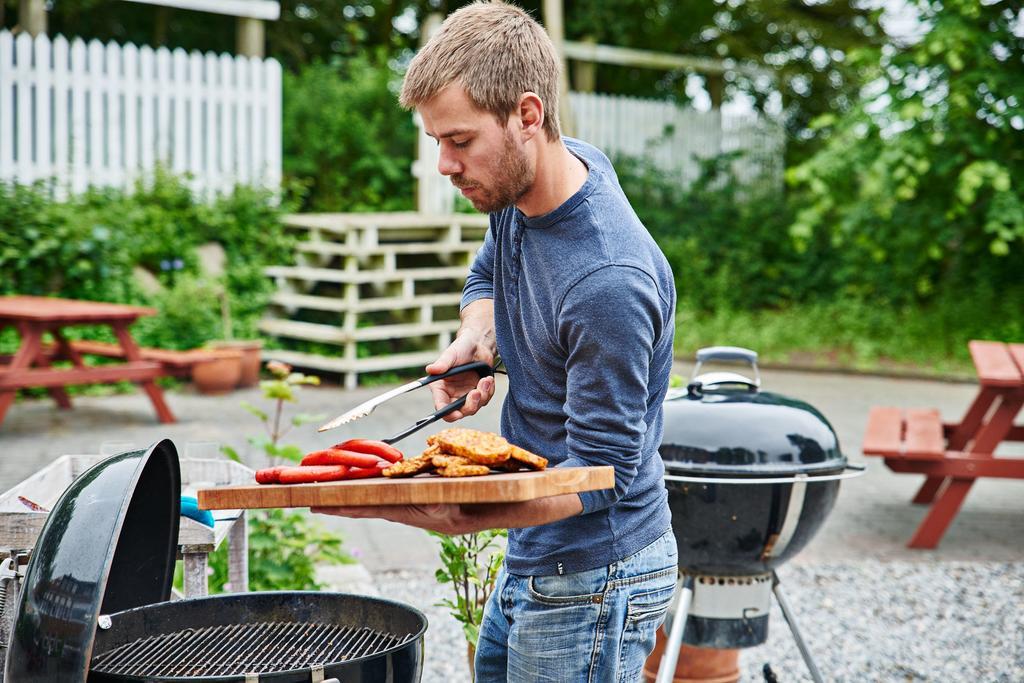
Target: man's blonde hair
x,y
496,52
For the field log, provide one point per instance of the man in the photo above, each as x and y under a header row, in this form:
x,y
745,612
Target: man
x,y
574,294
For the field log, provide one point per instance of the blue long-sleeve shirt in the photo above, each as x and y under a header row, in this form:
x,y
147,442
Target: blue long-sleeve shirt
x,y
583,309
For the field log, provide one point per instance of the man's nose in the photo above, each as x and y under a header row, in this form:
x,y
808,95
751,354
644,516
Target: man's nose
x,y
447,164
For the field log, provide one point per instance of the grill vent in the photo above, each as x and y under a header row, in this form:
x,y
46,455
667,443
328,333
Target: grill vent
x,y
236,649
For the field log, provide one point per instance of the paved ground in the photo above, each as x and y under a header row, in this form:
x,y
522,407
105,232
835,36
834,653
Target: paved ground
x,y
852,586
872,518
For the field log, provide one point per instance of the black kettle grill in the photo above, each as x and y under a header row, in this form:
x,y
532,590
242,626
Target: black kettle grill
x,y
94,604
751,477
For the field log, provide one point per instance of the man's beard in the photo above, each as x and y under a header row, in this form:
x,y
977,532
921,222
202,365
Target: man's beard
x,y
512,178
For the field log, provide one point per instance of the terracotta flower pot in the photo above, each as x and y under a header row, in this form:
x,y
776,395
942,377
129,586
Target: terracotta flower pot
x,y
695,664
250,350
218,373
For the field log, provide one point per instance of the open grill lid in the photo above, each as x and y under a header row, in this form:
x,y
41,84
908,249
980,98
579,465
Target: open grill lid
x,y
723,425
108,545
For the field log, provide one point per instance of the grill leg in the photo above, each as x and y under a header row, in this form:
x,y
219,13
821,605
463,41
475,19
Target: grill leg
x,y
675,637
791,621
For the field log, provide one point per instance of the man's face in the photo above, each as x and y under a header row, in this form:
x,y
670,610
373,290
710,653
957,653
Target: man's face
x,y
485,160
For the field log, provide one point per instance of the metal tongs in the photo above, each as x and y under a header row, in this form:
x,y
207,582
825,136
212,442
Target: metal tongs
x,y
363,409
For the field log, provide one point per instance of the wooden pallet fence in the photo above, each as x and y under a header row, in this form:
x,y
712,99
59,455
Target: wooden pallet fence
x,y
383,289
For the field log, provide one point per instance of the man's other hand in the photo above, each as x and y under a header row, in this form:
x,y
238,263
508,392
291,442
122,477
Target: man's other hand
x,y
474,342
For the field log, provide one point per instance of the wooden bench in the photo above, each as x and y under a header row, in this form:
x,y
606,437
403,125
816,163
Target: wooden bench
x,y
30,366
174,363
914,434
953,455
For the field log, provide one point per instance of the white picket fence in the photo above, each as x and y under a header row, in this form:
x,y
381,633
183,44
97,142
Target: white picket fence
x,y
673,138
106,115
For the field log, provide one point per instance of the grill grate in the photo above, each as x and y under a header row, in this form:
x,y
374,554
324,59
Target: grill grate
x,y
235,649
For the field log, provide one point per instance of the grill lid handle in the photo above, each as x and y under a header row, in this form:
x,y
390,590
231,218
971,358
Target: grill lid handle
x,y
724,353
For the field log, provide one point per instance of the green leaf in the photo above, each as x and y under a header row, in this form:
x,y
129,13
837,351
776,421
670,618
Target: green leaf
x,y
254,410
293,453
231,453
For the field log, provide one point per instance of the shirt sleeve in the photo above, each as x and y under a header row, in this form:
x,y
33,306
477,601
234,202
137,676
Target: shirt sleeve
x,y
480,281
608,324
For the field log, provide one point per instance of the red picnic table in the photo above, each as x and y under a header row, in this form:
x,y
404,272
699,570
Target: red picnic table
x,y
30,366
953,455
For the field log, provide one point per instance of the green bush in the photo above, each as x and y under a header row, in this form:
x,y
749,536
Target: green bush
x,y
87,247
727,243
73,248
347,143
744,279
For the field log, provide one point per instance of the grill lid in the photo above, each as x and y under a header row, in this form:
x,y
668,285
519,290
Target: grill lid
x,y
722,424
108,545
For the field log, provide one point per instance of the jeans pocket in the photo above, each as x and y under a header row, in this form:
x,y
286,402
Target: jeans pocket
x,y
570,589
650,604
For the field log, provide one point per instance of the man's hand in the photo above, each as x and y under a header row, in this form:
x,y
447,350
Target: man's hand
x,y
467,519
446,519
473,342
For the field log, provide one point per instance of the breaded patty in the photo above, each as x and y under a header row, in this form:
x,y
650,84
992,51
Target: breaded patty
x,y
410,468
464,470
483,448
528,459
444,460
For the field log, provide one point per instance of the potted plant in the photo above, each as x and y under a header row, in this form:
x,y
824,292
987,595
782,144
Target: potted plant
x,y
247,349
471,563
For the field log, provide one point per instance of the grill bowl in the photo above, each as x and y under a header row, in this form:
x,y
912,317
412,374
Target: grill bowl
x,y
724,528
281,636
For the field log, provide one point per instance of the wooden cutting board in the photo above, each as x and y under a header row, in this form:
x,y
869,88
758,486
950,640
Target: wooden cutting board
x,y
423,489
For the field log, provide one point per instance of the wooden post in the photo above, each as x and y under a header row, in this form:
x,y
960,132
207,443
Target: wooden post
x,y
553,22
584,73
716,90
250,37
161,24
434,194
32,16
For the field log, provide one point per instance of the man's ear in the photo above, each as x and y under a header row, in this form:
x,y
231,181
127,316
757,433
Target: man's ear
x,y
531,114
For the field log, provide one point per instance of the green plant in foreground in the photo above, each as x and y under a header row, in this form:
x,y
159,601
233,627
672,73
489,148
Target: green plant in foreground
x,y
279,389
471,563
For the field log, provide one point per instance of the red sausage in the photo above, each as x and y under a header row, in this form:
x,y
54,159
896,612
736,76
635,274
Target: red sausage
x,y
379,448
268,475
310,474
366,472
335,456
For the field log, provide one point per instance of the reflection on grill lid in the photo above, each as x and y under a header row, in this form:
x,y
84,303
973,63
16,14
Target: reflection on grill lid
x,y
746,432
237,649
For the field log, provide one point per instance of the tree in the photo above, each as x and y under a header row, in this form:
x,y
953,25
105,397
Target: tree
x,y
805,44
920,182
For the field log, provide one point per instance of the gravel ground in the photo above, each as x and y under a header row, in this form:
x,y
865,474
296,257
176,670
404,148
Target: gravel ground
x,y
864,621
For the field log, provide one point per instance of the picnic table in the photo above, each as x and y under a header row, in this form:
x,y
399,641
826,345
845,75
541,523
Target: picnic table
x,y
31,365
953,455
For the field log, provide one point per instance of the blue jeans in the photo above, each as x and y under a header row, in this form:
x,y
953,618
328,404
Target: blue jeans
x,y
595,626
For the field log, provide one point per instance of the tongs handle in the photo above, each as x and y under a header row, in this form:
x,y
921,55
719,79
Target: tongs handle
x,y
420,424
480,368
